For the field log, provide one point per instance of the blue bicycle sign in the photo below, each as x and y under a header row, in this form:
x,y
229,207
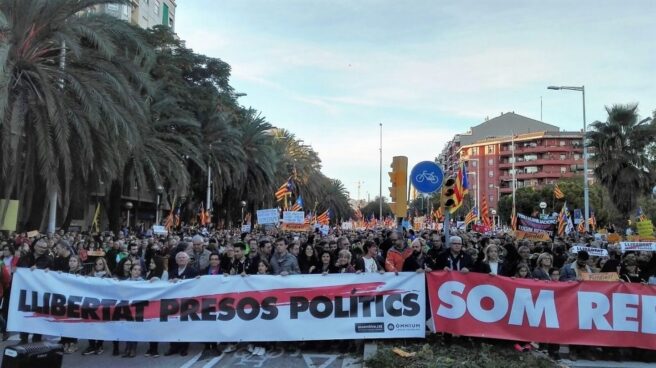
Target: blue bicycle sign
x,y
427,177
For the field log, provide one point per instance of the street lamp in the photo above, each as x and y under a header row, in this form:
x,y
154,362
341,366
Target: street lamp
x,y
586,190
128,206
160,189
243,204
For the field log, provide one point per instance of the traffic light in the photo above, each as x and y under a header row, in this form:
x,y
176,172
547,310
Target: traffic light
x,y
448,197
399,188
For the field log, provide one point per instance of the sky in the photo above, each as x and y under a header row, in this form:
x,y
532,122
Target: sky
x,y
332,71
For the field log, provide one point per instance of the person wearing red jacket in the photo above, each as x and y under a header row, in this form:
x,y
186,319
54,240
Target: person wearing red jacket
x,y
397,255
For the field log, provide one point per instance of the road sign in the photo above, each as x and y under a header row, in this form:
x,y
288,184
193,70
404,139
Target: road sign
x,y
427,177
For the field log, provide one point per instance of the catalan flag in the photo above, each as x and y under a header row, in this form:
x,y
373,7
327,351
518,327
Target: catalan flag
x,y
581,227
284,190
358,214
513,219
471,216
298,205
203,216
592,221
460,188
170,219
564,223
438,214
558,193
324,218
485,210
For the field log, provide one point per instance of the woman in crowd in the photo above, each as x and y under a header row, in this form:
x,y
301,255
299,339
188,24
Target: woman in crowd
x,y
491,264
307,260
214,267
325,263
523,271
263,267
544,264
343,264
101,270
157,269
75,268
131,346
629,270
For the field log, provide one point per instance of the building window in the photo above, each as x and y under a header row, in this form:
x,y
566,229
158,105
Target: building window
x,y
577,156
563,169
531,169
490,161
530,157
474,163
491,186
491,173
156,7
165,15
491,198
562,143
563,156
490,148
474,151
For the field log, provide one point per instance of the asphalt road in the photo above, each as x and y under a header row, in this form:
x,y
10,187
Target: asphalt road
x,y
287,355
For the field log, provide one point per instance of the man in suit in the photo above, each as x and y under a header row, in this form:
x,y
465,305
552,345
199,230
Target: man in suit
x,y
182,271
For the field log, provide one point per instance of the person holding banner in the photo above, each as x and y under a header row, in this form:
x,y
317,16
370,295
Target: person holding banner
x,y
370,261
41,259
453,258
282,262
397,255
325,263
182,271
543,267
135,275
307,261
491,264
572,271
629,270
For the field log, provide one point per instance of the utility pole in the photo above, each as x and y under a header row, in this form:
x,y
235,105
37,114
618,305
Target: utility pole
x,y
380,177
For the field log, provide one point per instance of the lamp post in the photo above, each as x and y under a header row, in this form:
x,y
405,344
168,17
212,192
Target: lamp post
x,y
128,206
586,189
243,204
160,189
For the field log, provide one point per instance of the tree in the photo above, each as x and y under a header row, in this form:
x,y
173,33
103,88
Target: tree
x,y
70,99
373,207
621,161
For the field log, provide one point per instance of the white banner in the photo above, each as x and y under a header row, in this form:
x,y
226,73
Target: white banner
x,y
638,246
294,217
219,308
268,216
595,252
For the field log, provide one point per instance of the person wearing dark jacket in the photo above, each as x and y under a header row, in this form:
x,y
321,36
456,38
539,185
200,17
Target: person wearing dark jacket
x,y
182,271
454,259
490,263
543,267
371,261
307,260
40,259
417,260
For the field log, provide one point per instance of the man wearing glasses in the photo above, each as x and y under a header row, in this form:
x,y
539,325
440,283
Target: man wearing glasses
x,y
453,258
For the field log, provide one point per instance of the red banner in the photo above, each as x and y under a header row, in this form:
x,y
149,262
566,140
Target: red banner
x,y
581,313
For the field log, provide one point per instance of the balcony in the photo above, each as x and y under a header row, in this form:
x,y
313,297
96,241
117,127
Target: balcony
x,y
540,175
542,162
538,149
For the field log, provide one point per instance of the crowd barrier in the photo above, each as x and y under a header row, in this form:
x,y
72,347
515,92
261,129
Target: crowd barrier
x,y
335,306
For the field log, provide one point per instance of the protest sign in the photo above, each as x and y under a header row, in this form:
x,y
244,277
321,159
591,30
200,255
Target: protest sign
x,y
542,236
268,216
325,229
638,246
583,313
288,226
480,228
645,228
600,276
293,217
33,234
159,230
614,238
218,308
246,228
536,225
595,252
347,226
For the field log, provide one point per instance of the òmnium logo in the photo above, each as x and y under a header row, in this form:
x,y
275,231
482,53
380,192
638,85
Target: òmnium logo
x,y
403,326
370,327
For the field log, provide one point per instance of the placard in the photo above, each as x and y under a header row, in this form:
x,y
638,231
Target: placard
x,y
268,216
293,217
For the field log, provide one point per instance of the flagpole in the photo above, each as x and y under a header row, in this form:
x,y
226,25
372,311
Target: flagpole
x,y
380,176
514,174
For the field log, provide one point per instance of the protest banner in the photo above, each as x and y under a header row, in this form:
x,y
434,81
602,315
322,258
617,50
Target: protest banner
x,y
347,225
160,230
638,246
541,236
288,226
645,228
268,216
600,276
480,228
293,217
595,252
536,225
582,313
614,238
218,308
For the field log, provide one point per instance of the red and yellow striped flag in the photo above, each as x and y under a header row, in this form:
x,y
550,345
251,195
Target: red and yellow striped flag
x,y
485,210
558,193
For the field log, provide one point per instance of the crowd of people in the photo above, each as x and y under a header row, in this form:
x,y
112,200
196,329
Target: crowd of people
x,y
190,254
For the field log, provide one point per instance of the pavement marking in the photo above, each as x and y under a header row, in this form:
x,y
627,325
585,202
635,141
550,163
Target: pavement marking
x,y
192,361
349,362
308,358
213,362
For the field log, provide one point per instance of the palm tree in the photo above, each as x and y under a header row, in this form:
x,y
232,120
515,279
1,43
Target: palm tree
x,y
70,99
621,161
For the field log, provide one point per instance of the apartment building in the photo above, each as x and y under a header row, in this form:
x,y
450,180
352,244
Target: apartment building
x,y
144,13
